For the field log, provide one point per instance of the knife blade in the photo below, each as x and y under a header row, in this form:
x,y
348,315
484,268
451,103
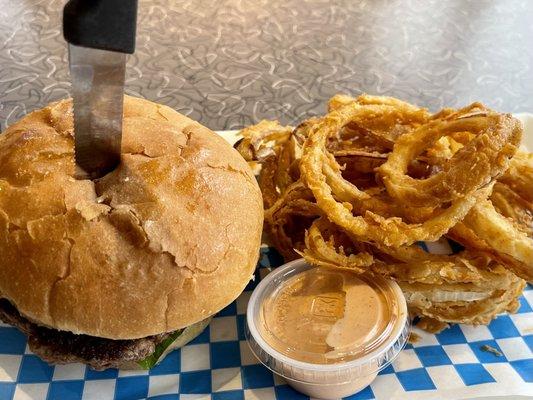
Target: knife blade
x,y
100,33
98,89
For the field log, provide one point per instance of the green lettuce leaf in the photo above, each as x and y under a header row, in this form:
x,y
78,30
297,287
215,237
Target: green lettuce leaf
x,y
151,360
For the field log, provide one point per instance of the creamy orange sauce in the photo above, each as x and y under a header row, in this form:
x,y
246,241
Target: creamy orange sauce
x,y
326,316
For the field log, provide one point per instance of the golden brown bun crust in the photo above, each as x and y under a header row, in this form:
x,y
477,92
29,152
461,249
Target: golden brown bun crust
x,y
167,239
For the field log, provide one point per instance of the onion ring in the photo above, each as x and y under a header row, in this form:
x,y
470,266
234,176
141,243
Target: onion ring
x,y
285,234
258,140
319,252
502,235
321,174
471,312
483,158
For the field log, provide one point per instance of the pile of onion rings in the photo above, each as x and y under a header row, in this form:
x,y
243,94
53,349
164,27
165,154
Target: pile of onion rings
x,y
360,187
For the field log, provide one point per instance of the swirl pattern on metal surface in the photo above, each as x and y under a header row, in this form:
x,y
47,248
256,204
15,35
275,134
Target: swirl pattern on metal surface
x,y
231,63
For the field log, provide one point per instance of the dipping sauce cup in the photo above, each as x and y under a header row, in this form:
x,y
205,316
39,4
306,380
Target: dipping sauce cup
x,y
328,332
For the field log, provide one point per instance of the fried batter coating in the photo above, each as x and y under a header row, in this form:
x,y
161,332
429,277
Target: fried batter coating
x,y
357,188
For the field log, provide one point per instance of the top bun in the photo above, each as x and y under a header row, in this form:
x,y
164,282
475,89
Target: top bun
x,y
165,240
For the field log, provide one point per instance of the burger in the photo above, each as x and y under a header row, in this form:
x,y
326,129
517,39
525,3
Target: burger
x,y
117,272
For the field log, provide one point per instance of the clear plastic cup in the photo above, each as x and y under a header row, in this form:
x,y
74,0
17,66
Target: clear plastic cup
x,y
341,372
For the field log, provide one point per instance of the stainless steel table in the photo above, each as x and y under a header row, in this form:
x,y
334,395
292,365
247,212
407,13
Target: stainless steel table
x,y
229,63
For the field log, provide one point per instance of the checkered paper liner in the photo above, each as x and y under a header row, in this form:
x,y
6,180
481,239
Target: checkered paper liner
x,y
218,364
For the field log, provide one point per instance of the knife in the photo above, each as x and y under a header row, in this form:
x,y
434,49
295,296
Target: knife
x,y
99,34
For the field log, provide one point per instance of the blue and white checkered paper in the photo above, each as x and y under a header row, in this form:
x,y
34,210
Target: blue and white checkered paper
x,y
218,365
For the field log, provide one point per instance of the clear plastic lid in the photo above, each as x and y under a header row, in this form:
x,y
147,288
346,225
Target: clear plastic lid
x,y
325,326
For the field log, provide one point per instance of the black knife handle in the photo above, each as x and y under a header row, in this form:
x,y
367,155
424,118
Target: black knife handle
x,y
101,24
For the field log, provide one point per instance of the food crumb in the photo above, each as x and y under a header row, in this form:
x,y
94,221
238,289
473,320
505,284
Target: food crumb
x,y
414,338
490,349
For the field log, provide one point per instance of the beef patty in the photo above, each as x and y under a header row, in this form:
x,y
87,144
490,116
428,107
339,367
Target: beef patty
x,y
61,347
